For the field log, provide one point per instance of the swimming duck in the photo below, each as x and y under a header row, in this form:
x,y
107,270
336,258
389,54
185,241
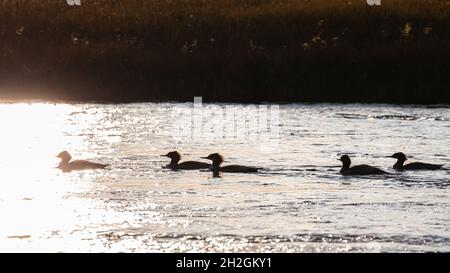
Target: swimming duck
x,y
66,165
187,165
401,158
357,170
217,159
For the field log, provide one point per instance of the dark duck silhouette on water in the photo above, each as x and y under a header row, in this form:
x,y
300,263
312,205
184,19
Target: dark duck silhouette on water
x,y
359,169
174,164
401,159
217,160
68,165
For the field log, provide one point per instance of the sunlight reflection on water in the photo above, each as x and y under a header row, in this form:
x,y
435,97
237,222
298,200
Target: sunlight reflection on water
x,y
299,203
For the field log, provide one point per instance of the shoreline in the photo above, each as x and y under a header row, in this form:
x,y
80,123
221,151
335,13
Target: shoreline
x,y
326,51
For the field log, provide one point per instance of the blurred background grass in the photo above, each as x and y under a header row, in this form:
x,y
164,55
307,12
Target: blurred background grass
x,y
226,50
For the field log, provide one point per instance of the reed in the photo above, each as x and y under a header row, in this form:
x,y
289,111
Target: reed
x,y
226,50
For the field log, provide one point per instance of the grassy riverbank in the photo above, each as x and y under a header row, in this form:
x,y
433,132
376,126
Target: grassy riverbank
x,y
226,50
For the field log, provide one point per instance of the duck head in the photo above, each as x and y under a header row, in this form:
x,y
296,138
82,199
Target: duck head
x,y
216,159
399,156
174,157
345,159
64,156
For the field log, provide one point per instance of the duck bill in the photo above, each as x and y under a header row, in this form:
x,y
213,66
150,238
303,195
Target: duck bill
x,y
203,157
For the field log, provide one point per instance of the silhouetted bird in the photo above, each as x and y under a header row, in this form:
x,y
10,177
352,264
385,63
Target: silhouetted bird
x,y
217,159
66,165
187,165
401,158
357,170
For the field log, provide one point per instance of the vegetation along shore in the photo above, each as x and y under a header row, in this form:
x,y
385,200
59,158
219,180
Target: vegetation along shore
x,y
226,50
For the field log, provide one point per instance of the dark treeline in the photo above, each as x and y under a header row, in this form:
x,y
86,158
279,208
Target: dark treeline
x,y
226,50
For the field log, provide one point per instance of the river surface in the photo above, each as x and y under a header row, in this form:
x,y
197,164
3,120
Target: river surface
x,y
297,203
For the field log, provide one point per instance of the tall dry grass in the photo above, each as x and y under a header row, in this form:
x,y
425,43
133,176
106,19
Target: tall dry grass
x,y
234,50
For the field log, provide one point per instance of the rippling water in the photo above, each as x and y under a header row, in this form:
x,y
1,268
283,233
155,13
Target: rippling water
x,y
298,203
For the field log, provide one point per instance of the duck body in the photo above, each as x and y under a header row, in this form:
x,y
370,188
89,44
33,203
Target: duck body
x,y
190,165
217,160
79,165
68,165
420,166
415,166
359,169
238,169
186,165
362,170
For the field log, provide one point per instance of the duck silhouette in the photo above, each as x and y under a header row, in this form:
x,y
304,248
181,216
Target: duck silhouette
x,y
415,166
217,160
174,164
69,165
359,169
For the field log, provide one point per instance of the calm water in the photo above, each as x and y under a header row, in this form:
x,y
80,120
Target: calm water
x,y
298,203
